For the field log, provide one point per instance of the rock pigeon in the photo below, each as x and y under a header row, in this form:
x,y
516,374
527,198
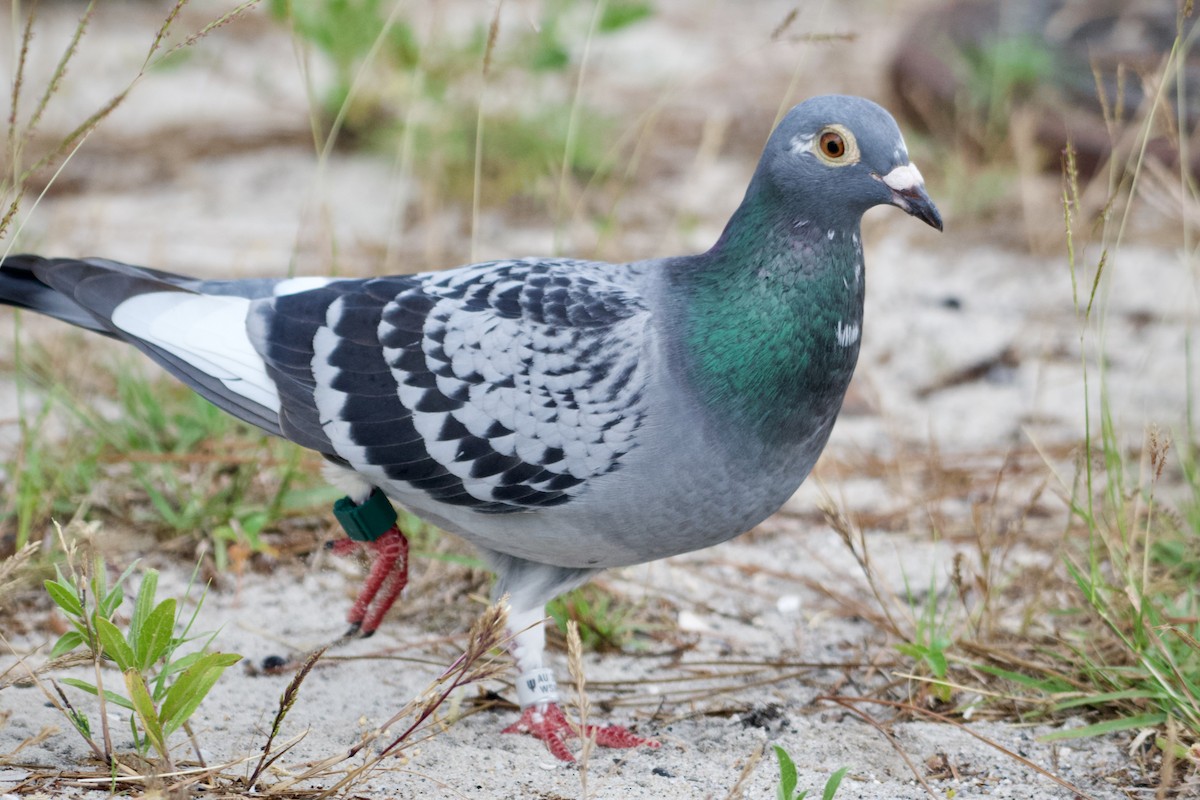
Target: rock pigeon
x,y
562,415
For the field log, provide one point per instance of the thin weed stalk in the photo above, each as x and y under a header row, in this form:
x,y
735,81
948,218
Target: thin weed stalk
x,y
477,663
286,701
583,706
480,115
573,127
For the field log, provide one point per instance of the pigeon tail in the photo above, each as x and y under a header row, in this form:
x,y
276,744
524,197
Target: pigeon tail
x,y
199,338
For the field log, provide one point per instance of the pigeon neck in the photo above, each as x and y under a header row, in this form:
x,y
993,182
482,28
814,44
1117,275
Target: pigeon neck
x,y
771,321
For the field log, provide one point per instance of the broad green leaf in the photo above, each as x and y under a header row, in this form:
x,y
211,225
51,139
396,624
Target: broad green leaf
x,y
114,644
109,695
143,605
182,663
99,579
64,597
1102,728
191,687
1178,749
831,785
252,525
622,13
154,636
787,774
66,643
144,707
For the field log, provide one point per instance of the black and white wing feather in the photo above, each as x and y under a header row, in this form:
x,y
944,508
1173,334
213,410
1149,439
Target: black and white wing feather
x,y
500,387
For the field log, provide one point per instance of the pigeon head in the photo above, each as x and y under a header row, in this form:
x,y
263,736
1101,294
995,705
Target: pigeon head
x,y
835,156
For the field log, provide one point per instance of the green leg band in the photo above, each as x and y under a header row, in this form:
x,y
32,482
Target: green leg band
x,y
368,521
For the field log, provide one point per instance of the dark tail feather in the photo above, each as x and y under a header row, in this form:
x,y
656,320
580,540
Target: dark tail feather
x,y
20,287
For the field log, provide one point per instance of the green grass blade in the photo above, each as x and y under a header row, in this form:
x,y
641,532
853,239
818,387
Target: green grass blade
x,y
1044,685
1103,698
1109,726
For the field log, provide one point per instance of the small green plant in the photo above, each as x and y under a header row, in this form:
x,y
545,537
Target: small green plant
x,y
163,685
931,639
788,779
606,621
394,88
350,33
49,476
999,73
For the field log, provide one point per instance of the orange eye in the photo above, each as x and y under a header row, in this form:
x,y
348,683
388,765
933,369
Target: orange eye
x,y
832,144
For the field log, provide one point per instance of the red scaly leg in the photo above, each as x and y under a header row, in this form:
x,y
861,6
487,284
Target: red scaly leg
x,y
389,567
393,549
550,725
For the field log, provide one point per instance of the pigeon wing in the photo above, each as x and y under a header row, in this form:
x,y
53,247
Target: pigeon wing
x,y
502,387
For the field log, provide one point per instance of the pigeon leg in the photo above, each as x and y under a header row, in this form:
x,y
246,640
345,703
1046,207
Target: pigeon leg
x,y
391,548
541,715
389,572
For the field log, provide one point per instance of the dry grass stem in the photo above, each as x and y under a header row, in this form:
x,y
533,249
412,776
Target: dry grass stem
x,y
475,665
583,706
738,790
13,574
286,701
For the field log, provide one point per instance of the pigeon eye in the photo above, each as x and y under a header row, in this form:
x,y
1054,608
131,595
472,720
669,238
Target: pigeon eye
x,y
836,146
832,144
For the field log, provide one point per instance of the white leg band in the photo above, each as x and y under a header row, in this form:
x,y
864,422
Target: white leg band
x,y
536,687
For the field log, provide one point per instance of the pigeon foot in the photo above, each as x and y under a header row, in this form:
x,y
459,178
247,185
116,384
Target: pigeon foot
x,y
383,585
549,724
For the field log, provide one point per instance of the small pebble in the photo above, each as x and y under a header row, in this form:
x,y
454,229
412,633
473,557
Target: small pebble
x,y
662,772
272,664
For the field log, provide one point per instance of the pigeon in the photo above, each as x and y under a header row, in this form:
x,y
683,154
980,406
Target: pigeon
x,y
564,416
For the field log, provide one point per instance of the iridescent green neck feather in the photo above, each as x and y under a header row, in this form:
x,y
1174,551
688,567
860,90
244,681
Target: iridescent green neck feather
x,y
770,321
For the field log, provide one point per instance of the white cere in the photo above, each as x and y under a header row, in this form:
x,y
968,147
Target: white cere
x,y
904,177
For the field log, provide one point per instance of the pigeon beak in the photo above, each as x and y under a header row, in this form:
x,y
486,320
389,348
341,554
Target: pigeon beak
x,y
908,194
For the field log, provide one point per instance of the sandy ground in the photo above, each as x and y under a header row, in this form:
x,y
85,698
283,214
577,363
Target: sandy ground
x,y
971,357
